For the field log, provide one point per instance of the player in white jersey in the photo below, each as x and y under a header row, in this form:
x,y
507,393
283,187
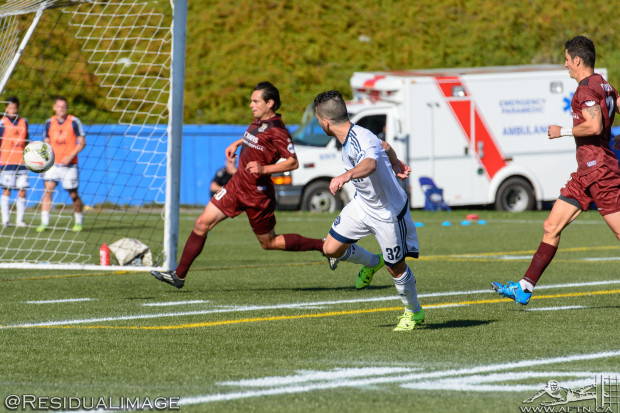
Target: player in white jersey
x,y
380,206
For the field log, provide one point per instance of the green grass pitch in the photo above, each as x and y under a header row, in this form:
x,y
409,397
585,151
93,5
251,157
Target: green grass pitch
x,y
267,331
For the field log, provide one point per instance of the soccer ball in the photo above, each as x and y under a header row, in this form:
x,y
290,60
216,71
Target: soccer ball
x,y
38,156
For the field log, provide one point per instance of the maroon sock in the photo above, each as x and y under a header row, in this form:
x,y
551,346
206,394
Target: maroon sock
x,y
295,242
541,259
193,248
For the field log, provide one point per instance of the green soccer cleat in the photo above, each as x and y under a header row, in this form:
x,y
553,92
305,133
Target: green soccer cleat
x,y
41,228
409,320
366,273
77,228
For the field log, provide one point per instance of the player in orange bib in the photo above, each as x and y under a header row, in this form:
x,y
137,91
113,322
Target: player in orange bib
x,y
14,175
65,134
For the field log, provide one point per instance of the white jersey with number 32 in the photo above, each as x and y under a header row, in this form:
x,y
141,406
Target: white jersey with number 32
x,y
382,196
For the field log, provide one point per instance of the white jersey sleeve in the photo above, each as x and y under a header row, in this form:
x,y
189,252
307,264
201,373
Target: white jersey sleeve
x,y
381,194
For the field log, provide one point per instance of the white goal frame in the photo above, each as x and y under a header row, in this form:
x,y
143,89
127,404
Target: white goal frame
x,y
174,141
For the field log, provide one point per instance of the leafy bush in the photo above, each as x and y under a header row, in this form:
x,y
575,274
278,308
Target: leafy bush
x,y
307,46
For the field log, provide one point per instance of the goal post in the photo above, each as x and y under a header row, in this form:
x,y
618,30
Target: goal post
x,y
120,65
175,134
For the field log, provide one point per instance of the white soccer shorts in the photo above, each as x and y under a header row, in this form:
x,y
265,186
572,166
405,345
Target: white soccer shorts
x,y
397,239
15,179
68,175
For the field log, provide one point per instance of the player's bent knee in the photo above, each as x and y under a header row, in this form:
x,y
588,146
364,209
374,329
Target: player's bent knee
x,y
329,251
551,228
202,225
333,248
397,269
333,251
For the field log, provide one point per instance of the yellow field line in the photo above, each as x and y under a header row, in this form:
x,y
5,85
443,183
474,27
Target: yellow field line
x,y
491,254
328,314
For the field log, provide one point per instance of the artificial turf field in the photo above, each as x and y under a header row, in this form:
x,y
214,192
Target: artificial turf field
x,y
271,331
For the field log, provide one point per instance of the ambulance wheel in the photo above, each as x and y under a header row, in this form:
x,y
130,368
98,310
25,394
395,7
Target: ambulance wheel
x,y
515,195
318,198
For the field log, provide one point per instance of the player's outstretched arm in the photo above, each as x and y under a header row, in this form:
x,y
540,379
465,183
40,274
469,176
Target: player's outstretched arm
x,y
401,169
288,164
361,170
232,149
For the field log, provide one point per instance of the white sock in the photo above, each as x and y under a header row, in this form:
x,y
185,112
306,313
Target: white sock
x,y
526,285
405,285
21,209
4,206
45,217
359,255
79,217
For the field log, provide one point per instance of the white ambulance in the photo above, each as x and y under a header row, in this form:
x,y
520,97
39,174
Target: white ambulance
x,y
479,133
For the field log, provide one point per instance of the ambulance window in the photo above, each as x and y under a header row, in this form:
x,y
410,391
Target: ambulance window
x,y
311,134
375,124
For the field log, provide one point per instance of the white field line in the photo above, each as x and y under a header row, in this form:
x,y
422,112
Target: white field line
x,y
564,307
438,223
479,379
66,300
305,376
409,378
303,305
172,303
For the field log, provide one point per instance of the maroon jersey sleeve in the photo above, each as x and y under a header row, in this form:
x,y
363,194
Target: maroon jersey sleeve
x,y
593,151
283,143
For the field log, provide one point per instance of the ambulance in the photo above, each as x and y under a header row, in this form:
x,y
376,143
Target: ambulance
x,y
480,134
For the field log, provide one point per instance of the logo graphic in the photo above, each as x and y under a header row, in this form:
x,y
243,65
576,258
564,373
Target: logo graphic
x,y
601,396
567,101
337,221
563,395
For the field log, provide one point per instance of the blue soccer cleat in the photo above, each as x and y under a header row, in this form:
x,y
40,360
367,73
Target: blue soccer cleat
x,y
513,291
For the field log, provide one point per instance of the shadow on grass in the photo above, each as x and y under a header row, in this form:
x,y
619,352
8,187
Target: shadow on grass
x,y
449,324
347,288
310,289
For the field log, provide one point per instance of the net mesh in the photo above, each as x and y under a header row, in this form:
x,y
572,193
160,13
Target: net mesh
x,y
111,60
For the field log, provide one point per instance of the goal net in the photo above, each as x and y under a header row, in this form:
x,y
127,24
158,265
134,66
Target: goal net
x,y
111,60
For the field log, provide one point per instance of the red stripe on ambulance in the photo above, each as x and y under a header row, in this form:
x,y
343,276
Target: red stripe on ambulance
x,y
370,83
464,110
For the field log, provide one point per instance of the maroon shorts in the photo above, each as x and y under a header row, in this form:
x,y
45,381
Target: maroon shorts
x,y
601,186
258,206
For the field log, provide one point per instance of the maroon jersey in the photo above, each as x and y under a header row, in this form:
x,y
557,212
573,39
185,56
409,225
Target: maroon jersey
x,y
264,142
594,151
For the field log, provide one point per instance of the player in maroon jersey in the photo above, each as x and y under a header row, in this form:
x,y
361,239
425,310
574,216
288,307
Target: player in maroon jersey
x,y
250,190
597,179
